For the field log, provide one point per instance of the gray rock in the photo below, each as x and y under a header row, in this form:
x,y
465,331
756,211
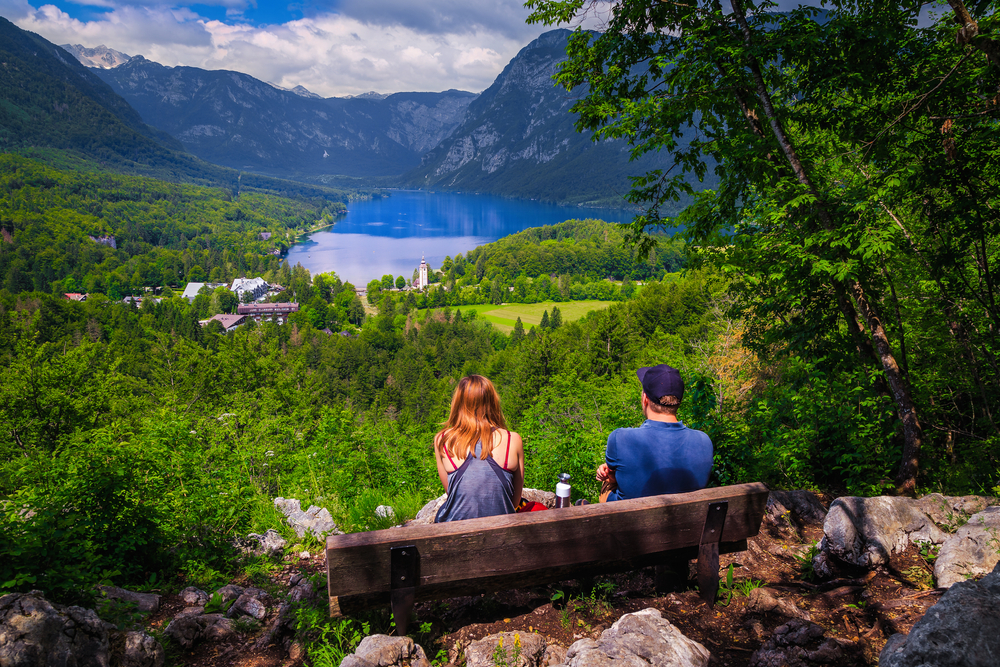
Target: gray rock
x,y
642,639
385,651
229,592
867,531
763,600
973,550
530,654
147,603
271,543
141,650
247,605
554,655
962,629
805,506
194,597
385,512
36,633
952,510
799,643
301,591
190,630
190,611
315,520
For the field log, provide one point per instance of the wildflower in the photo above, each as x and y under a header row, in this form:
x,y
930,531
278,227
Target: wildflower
x,y
269,452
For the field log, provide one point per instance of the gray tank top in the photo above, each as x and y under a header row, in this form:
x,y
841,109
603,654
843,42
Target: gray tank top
x,y
478,488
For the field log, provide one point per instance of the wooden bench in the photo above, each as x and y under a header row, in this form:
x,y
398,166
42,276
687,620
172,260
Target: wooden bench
x,y
430,562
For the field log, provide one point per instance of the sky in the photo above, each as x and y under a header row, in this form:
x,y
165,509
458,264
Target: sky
x,y
332,47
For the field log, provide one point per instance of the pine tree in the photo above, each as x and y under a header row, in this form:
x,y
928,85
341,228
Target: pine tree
x,y
556,320
545,320
518,333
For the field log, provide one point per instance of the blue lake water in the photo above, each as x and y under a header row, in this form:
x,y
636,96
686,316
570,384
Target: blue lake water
x,y
389,235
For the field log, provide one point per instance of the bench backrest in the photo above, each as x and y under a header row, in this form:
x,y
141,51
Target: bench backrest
x,y
506,547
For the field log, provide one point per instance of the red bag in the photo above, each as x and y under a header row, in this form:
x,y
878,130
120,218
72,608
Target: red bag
x,y
529,506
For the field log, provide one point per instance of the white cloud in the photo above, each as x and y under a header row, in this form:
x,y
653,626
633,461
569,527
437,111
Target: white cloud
x,y
382,45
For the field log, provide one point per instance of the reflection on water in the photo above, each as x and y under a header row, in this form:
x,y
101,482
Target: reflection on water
x,y
390,235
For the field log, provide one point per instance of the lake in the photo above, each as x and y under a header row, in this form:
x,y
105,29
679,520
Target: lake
x,y
389,235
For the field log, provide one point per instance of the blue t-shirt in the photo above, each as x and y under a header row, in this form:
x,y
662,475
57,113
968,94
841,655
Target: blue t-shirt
x,y
658,457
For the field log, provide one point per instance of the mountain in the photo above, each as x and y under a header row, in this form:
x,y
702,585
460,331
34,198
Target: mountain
x,y
518,139
48,100
236,120
100,56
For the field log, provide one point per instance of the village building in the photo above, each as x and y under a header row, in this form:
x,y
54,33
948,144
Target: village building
x,y
75,296
255,287
268,311
422,281
229,322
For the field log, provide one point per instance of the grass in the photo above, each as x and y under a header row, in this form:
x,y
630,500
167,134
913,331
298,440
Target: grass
x,y
503,317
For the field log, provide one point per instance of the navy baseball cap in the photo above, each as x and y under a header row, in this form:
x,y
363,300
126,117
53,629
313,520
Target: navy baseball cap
x,y
660,381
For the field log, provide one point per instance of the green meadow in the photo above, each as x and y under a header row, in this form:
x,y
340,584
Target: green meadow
x,y
504,317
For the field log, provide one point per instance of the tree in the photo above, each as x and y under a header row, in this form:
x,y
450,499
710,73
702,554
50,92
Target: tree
x,y
400,282
835,170
556,320
545,323
518,334
388,282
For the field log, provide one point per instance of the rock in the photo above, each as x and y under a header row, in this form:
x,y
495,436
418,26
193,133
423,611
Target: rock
x,y
190,611
301,591
36,633
948,511
141,650
805,506
148,603
529,646
296,651
763,600
963,628
385,512
194,597
271,543
554,655
247,605
427,513
229,592
315,520
385,651
973,550
799,643
189,630
867,531
642,639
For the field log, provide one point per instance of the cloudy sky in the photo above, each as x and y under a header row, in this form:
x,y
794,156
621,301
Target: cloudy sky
x,y
332,47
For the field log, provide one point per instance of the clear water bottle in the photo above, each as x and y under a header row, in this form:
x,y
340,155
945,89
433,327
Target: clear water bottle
x,y
563,491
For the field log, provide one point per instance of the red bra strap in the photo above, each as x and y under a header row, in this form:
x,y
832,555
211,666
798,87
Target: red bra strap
x,y
507,453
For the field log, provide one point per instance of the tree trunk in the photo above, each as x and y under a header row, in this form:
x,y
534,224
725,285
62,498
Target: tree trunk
x,y
906,477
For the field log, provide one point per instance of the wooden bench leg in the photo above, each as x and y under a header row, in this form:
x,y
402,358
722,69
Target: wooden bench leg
x,y
708,551
404,573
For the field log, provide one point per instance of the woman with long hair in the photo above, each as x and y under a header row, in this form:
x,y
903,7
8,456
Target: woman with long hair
x,y
479,461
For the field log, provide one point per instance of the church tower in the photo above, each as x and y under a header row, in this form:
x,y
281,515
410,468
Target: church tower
x,y
422,281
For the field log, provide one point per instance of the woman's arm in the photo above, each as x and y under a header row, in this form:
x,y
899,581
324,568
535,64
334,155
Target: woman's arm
x,y
439,460
517,454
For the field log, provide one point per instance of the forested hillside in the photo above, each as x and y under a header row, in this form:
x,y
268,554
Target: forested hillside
x,y
165,233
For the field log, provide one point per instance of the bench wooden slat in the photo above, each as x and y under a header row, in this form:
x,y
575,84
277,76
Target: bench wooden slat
x,y
465,554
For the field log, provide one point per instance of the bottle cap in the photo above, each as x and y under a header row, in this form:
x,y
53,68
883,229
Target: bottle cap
x,y
564,477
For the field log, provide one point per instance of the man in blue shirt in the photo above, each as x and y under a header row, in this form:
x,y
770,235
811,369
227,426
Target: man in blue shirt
x,y
661,456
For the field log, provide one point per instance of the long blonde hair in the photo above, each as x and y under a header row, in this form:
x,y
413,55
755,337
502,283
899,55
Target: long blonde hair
x,y
475,414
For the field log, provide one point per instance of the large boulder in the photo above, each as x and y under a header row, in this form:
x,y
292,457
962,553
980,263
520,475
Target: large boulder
x,y
527,647
141,650
271,543
867,531
962,629
642,639
973,550
315,520
36,633
386,651
190,630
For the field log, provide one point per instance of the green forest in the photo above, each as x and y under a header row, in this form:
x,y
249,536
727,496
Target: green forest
x,y
832,306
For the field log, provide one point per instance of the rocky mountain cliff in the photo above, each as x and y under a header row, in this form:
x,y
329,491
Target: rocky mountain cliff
x,y
518,138
236,120
100,56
